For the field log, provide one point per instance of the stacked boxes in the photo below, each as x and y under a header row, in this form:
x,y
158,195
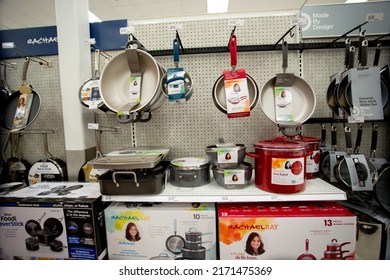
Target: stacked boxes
x,y
161,231
286,231
53,221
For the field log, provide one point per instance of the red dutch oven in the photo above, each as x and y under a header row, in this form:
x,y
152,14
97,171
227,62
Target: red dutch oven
x,y
280,165
313,156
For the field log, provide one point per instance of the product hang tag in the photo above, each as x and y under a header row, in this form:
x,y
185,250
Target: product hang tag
x,y
135,89
284,103
227,155
237,93
176,85
22,113
234,176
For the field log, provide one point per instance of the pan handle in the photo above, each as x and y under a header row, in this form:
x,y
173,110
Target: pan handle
x,y
358,139
346,56
26,63
233,51
176,52
377,54
285,55
374,140
124,172
253,155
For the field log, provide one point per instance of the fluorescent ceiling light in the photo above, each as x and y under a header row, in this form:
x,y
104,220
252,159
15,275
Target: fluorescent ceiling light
x,y
355,1
217,6
93,18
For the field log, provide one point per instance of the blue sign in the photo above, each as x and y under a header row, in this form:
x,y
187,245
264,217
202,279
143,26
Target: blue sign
x,y
41,41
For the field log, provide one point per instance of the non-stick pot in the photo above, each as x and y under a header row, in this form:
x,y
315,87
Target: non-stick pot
x,y
224,156
189,172
229,178
280,165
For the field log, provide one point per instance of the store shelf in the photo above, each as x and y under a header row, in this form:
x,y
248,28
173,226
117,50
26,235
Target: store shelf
x,y
315,190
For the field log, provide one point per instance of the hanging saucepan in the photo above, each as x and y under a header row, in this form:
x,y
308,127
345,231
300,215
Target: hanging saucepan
x,y
115,83
47,169
32,227
175,243
299,101
165,84
335,81
17,167
89,92
306,255
382,187
219,94
22,107
344,85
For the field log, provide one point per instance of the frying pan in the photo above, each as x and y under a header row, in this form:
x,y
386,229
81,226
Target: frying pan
x,y
54,225
17,167
303,97
175,243
89,92
9,106
47,169
377,162
330,157
219,95
306,255
382,188
335,81
115,86
187,79
33,226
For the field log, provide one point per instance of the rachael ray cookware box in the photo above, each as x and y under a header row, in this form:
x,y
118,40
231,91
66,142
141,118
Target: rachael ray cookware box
x,y
53,221
286,231
161,231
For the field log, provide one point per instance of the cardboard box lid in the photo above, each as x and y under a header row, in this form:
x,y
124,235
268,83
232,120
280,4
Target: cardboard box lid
x,y
282,209
181,206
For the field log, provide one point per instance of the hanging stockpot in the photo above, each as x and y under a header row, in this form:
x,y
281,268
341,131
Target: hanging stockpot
x,y
47,169
287,100
22,107
89,92
176,84
219,90
280,165
130,84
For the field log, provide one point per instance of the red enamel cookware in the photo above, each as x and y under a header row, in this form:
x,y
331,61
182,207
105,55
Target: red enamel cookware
x,y
280,165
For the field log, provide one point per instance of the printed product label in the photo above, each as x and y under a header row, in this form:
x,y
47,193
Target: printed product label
x,y
234,176
176,85
237,93
43,172
135,90
227,155
90,94
313,162
287,171
283,104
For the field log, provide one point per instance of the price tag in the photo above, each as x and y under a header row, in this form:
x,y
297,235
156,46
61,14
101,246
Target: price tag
x,y
93,126
355,119
299,21
126,30
374,17
236,22
90,41
174,27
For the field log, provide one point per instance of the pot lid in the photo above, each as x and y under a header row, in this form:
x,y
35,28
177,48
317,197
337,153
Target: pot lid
x,y
279,143
189,162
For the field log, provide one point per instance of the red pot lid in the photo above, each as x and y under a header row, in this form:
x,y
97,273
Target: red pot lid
x,y
280,143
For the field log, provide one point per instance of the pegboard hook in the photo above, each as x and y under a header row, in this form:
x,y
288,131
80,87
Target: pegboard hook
x,y
288,32
179,40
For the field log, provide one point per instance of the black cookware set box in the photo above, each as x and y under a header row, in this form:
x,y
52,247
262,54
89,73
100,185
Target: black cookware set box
x,y
53,221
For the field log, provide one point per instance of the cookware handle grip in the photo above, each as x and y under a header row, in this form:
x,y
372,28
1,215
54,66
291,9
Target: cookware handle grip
x,y
278,138
192,229
233,51
323,135
284,125
252,155
26,63
348,139
374,140
124,172
285,55
377,55
334,136
124,119
351,59
346,52
133,42
147,118
363,60
358,139
361,39
176,52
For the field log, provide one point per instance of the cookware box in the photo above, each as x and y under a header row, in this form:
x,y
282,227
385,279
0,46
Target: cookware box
x,y
169,231
53,221
286,231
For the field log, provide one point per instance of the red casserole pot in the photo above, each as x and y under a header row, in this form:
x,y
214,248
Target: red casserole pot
x,y
280,165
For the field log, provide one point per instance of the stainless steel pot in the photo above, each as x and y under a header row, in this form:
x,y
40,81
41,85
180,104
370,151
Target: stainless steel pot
x,y
219,175
221,156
